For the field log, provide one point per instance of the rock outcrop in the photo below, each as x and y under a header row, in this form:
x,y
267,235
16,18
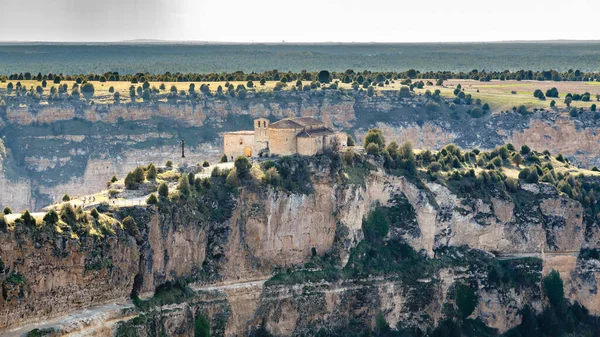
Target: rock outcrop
x,y
312,250
76,148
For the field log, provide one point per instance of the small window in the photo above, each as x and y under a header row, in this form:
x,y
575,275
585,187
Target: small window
x,y
264,124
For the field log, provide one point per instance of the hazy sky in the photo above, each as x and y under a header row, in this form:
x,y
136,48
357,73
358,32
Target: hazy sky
x,y
298,21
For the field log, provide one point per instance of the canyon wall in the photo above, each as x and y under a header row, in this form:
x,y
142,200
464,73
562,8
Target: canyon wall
x,y
265,263
76,148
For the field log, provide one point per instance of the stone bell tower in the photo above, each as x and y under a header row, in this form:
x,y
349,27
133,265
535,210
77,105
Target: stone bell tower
x,y
261,126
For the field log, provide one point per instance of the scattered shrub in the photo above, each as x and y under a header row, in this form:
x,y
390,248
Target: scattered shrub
x,y
152,200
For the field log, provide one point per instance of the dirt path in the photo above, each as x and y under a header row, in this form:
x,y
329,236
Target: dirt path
x,y
100,320
80,323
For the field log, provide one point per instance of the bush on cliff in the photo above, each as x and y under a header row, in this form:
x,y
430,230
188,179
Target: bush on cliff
x,y
272,177
152,200
201,326
7,210
51,218
28,220
151,172
242,166
130,226
553,287
134,179
184,186
375,136
3,222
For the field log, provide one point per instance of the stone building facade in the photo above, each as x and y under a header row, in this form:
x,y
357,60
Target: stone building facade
x,y
304,135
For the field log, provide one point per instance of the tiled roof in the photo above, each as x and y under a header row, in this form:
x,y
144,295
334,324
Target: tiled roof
x,y
285,124
295,123
316,133
307,121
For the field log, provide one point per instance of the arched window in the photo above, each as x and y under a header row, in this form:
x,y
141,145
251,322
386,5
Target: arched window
x,y
264,124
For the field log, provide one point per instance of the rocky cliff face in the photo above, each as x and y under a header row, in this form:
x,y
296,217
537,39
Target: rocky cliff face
x,y
323,265
76,148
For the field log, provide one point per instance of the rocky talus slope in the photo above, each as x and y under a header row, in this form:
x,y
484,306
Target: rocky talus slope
x,y
353,245
76,148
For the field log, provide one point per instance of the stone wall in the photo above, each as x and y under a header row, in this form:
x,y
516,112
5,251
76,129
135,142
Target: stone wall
x,y
239,144
283,142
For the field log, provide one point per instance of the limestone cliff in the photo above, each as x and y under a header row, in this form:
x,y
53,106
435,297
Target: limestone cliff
x,y
76,148
292,261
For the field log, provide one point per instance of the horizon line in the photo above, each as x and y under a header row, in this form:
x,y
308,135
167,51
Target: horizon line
x,y
283,42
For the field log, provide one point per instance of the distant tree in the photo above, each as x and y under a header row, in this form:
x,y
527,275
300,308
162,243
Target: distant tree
x,y
39,89
568,101
7,210
404,92
66,198
552,93
117,97
205,164
163,190
593,107
324,76
262,81
162,86
250,84
151,173
184,186
223,159
279,86
169,164
574,112
114,179
350,141
552,103
517,159
9,88
370,91
525,149
44,83
87,89
111,89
